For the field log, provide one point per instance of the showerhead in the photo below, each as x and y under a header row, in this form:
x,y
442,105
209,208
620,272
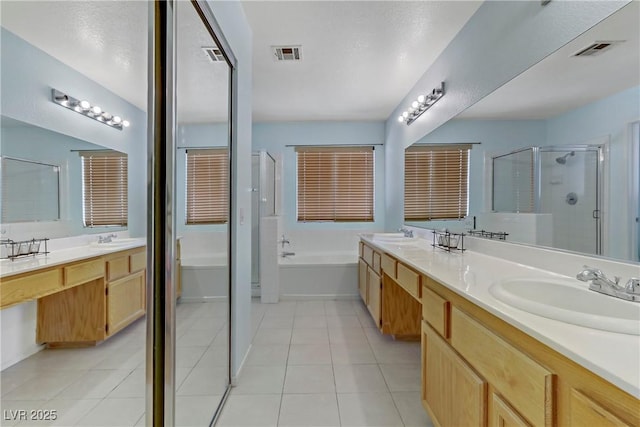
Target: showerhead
x,y
563,159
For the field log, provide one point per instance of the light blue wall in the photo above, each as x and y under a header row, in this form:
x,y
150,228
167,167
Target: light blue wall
x,y
611,118
195,136
27,76
237,32
495,137
274,138
42,145
500,41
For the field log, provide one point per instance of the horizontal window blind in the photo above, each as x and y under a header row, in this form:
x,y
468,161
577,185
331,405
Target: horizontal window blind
x,y
207,186
436,182
104,188
335,183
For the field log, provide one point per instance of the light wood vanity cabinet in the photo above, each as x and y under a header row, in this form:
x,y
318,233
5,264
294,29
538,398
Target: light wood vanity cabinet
x,y
390,290
491,373
83,302
374,298
455,393
362,280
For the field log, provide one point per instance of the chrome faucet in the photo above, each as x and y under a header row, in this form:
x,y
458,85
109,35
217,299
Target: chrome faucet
x,y
599,282
284,241
286,254
406,231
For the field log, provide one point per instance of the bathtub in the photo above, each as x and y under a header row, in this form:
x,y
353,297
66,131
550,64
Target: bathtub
x,y
204,278
319,276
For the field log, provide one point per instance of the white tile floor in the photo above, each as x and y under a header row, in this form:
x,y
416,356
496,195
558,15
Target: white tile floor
x,y
105,385
319,363
323,363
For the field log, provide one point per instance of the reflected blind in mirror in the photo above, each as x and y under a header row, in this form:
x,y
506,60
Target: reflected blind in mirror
x,y
207,186
335,183
436,182
104,188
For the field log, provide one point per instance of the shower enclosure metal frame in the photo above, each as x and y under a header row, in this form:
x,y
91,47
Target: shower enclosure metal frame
x,y
537,179
264,157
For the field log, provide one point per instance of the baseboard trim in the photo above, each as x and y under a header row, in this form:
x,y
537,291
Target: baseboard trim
x,y
298,297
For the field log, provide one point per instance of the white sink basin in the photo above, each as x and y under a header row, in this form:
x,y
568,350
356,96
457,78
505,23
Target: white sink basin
x,y
393,238
571,302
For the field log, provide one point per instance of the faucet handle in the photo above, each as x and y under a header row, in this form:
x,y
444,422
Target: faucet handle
x,y
633,286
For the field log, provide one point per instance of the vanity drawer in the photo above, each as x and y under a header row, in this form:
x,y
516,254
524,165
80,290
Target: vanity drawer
x,y
138,261
117,267
530,387
83,272
587,412
388,265
435,310
367,255
409,280
376,263
34,285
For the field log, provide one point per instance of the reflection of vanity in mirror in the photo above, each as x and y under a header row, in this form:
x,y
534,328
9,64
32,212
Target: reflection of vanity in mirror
x,y
52,184
558,155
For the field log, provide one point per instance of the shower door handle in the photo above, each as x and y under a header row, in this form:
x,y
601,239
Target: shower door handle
x,y
596,214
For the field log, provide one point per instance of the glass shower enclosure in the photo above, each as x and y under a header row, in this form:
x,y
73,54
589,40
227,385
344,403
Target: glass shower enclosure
x,y
564,181
263,203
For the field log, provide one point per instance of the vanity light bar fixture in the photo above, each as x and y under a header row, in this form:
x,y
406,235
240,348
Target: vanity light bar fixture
x,y
422,104
86,109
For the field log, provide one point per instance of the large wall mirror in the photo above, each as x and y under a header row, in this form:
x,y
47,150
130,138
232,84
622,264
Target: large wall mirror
x,y
554,153
202,206
45,178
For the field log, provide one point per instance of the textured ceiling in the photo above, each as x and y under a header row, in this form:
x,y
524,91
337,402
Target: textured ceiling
x,y
359,58
104,40
560,82
107,42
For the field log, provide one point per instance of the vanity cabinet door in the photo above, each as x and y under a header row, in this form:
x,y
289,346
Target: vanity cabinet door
x,y
374,303
503,415
125,301
362,279
453,393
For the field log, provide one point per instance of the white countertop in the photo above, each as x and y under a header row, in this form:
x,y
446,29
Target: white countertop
x,y
64,256
613,356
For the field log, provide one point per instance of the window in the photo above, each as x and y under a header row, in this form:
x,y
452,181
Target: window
x,y
436,182
335,183
207,186
104,188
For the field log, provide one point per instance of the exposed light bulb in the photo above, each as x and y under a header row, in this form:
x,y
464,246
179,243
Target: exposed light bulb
x,y
405,114
85,105
125,123
415,104
107,116
411,110
421,99
117,119
401,119
96,110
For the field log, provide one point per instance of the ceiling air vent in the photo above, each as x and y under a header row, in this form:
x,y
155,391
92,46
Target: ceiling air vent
x,y
287,53
213,53
597,48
